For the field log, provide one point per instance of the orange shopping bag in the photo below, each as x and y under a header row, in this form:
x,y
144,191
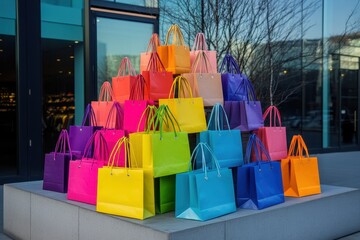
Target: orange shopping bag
x,y
175,55
152,47
300,172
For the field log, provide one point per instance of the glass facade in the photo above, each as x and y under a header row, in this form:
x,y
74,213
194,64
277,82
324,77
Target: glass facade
x,y
8,90
306,53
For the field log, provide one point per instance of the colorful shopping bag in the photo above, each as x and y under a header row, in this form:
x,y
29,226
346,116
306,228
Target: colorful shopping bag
x,y
201,45
205,193
232,80
107,137
103,105
258,184
125,191
274,135
225,143
165,194
164,153
175,55
158,80
203,82
56,165
80,135
188,111
135,106
152,47
123,82
83,176
300,172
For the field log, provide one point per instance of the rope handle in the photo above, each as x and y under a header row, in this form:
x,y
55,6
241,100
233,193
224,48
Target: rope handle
x,y
200,42
155,63
215,114
129,154
62,143
177,36
182,85
201,60
229,65
126,68
154,42
137,88
89,115
200,147
106,92
149,113
274,116
119,116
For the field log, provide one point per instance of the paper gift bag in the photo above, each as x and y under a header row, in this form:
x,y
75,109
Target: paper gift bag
x,y
125,191
205,193
165,194
300,171
152,47
103,105
164,153
203,82
201,45
232,80
80,135
135,107
258,184
274,135
158,80
188,111
56,165
125,79
106,138
175,55
225,143
83,176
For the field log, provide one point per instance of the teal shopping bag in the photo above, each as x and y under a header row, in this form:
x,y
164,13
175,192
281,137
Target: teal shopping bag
x,y
205,193
225,143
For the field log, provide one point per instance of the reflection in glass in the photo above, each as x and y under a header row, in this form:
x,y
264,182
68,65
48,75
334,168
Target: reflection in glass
x,y
117,39
58,89
8,146
144,3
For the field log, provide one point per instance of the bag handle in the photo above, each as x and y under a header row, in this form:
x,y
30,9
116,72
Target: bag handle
x,y
297,147
62,143
119,116
177,36
163,116
129,154
155,64
257,145
106,92
215,116
274,114
201,60
182,85
137,88
229,65
89,115
126,68
200,42
154,42
201,147
149,113
248,89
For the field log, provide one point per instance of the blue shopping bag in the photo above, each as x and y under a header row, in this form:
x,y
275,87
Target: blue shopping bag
x,y
205,193
258,184
225,143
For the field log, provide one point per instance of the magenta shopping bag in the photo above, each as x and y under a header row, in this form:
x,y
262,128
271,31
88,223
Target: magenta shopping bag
x,y
106,138
83,175
56,165
80,135
135,106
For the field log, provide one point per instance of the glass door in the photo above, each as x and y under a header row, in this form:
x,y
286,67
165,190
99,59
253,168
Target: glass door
x,y
349,97
118,35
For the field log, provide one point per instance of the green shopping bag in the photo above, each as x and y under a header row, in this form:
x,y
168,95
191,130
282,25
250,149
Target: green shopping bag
x,y
165,194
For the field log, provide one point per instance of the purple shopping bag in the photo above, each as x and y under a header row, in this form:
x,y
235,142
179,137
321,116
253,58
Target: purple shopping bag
x,y
79,135
56,166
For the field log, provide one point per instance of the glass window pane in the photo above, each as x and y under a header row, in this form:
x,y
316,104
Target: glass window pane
x,y
117,39
144,3
8,146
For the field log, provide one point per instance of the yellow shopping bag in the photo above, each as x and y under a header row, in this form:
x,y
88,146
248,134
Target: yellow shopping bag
x,y
125,191
300,172
188,111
